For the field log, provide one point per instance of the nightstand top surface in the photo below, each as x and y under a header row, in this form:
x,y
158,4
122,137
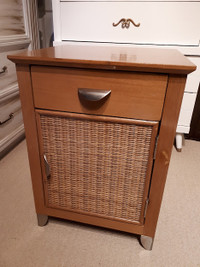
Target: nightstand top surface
x,y
108,57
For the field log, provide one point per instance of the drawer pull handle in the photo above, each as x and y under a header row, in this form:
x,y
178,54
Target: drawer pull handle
x,y
93,94
3,70
47,168
125,23
11,115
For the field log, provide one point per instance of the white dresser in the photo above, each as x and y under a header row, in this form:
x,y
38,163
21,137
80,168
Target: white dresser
x,y
173,24
16,34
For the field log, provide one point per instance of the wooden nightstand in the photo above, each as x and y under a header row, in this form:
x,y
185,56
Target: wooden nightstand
x,y
100,125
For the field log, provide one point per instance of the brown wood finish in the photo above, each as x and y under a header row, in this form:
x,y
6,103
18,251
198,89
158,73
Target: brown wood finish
x,y
169,121
138,96
138,61
97,221
98,118
113,58
24,80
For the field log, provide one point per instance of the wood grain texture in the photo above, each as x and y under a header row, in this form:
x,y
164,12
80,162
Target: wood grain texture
x,y
23,74
169,120
95,220
112,58
138,96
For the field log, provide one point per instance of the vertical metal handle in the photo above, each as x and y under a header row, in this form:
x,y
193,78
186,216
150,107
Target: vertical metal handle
x,y
47,168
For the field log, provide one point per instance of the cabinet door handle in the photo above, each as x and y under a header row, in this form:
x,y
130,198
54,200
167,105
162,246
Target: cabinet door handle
x,y
47,168
125,23
11,115
93,94
3,70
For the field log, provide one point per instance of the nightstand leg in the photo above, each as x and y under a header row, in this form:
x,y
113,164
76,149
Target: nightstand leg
x,y
179,141
42,219
146,242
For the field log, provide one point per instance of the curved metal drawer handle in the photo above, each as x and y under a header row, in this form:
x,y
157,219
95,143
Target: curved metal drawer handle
x,y
125,23
11,115
3,70
93,94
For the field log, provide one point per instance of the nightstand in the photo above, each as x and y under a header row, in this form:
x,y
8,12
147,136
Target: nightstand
x,y
100,125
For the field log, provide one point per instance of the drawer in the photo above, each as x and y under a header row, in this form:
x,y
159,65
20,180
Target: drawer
x,y
8,122
7,69
133,95
169,23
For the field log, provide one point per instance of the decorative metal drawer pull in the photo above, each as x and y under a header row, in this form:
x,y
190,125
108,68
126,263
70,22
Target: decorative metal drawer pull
x,y
11,115
3,70
125,23
93,94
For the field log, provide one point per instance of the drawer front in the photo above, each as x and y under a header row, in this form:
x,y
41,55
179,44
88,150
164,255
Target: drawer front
x,y
170,23
8,122
88,166
133,95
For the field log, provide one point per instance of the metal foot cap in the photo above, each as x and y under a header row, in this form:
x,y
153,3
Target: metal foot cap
x,y
42,219
146,242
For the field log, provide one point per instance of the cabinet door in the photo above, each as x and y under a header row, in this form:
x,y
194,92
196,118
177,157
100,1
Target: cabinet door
x,y
96,165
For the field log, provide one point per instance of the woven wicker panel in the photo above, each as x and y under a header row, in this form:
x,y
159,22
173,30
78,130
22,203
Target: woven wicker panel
x,y
97,167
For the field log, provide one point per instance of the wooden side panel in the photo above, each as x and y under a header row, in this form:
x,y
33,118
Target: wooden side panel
x,y
172,105
24,81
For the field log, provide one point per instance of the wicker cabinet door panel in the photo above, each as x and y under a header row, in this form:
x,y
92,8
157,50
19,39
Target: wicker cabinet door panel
x,y
99,166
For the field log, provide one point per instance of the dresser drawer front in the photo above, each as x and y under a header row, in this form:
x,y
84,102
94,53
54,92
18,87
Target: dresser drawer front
x,y
97,166
7,68
171,23
133,95
10,117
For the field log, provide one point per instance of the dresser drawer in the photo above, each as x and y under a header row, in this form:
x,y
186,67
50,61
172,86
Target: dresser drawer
x,y
169,23
7,69
133,95
10,117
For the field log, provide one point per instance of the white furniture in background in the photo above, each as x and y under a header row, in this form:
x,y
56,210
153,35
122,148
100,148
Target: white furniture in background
x,y
18,31
173,24
45,23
